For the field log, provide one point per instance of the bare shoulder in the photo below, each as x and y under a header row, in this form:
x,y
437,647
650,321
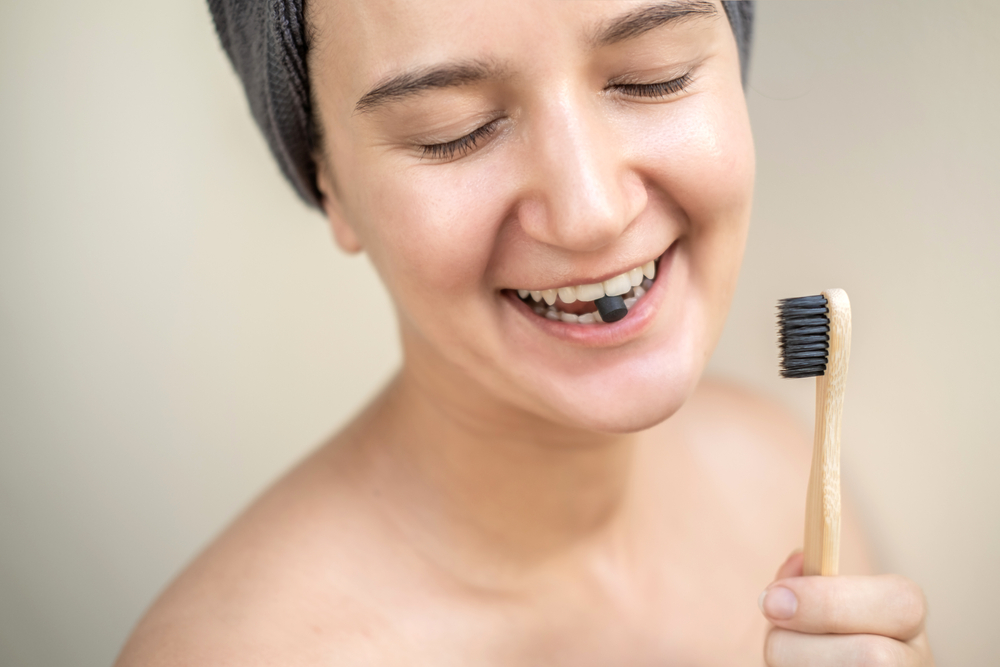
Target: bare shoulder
x,y
285,584
746,430
751,462
761,453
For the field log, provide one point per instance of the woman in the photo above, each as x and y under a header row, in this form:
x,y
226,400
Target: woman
x,y
545,482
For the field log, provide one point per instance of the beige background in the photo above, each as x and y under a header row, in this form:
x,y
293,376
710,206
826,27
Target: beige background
x,y
176,329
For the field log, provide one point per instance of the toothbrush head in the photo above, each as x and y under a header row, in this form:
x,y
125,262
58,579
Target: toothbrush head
x,y
803,336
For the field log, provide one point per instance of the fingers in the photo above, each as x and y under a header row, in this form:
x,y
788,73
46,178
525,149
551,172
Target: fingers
x,y
785,648
888,605
792,567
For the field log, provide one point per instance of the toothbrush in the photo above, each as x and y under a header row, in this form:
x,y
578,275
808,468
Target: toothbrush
x,y
814,336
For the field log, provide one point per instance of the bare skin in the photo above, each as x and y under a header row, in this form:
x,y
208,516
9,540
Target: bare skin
x,y
334,566
534,490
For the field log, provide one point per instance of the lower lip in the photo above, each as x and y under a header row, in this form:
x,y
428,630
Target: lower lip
x,y
639,317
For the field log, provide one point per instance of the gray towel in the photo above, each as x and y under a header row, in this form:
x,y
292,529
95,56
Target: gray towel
x,y
266,42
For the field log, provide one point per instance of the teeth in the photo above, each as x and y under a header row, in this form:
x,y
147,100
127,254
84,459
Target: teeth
x,y
618,285
635,276
590,292
636,281
567,294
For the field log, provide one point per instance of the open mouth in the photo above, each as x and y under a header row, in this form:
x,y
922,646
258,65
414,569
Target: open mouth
x,y
595,303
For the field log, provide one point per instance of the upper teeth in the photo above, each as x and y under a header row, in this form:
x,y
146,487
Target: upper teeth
x,y
615,286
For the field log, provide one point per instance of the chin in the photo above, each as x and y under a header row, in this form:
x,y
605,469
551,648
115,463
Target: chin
x,y
632,419
634,393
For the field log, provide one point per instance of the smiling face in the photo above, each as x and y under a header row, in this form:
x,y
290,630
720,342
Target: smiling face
x,y
479,148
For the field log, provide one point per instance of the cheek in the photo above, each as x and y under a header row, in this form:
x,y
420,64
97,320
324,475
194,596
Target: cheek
x,y
702,162
702,157
430,229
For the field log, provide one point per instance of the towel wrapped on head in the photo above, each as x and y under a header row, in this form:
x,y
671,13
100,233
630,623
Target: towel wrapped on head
x,y
267,43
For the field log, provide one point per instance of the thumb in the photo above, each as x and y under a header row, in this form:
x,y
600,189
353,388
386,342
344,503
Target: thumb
x,y
792,567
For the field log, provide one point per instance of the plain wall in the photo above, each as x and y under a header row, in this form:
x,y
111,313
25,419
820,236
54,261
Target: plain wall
x,y
176,328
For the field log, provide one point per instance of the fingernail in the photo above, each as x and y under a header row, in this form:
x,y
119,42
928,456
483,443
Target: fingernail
x,y
778,603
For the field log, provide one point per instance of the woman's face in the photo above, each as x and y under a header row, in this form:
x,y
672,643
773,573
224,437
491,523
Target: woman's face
x,y
477,148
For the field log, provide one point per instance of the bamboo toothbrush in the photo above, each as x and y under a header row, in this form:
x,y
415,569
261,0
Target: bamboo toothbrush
x,y
814,335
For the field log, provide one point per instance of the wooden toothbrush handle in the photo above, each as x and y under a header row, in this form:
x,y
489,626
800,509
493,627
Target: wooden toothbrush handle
x,y
822,538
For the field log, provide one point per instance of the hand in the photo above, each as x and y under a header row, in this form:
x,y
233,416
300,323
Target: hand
x,y
828,621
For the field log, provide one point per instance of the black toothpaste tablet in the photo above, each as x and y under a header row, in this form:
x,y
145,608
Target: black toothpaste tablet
x,y
611,308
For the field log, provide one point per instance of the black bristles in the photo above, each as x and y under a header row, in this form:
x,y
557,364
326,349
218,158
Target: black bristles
x,y
803,336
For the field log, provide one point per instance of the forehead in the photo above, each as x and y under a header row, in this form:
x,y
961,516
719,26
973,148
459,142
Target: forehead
x,y
364,41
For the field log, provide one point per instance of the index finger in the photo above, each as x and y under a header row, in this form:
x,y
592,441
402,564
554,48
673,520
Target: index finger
x,y
888,605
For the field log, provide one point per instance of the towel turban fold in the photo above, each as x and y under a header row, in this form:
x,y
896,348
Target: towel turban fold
x,y
266,42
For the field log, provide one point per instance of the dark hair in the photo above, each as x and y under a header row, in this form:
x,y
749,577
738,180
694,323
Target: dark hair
x,y
268,44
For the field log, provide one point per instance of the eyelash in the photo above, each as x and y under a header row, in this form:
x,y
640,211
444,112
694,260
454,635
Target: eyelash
x,y
654,90
464,145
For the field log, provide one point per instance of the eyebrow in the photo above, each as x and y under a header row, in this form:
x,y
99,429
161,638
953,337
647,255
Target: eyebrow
x,y
410,83
644,19
449,75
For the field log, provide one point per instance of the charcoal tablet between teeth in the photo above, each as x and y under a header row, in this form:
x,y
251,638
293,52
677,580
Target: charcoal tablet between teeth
x,y
611,308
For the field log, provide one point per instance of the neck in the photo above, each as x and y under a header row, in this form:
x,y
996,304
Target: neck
x,y
463,474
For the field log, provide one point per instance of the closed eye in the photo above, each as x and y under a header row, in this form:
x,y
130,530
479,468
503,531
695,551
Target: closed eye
x,y
461,146
653,90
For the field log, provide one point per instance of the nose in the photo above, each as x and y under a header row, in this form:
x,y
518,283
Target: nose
x,y
583,192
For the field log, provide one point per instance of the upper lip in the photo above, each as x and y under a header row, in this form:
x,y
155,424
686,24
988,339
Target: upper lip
x,y
591,280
